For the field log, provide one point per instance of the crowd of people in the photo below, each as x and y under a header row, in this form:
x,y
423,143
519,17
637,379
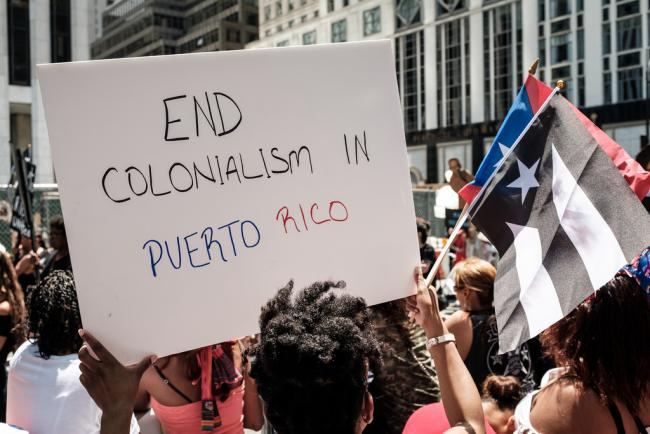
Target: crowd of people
x,y
325,362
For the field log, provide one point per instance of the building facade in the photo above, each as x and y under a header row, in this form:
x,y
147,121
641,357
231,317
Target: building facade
x,y
32,33
156,27
459,63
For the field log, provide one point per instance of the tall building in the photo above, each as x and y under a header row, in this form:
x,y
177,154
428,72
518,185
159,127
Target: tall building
x,y
460,63
31,33
154,27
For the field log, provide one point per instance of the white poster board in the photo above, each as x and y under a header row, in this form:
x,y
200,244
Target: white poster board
x,y
195,186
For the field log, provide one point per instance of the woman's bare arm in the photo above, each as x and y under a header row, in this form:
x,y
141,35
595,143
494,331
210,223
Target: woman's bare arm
x,y
460,397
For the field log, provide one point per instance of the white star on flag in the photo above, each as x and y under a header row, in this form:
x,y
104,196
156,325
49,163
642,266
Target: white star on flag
x,y
504,151
526,179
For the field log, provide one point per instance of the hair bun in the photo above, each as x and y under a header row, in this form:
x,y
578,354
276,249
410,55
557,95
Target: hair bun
x,y
504,390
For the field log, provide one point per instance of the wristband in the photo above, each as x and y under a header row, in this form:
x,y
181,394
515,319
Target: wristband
x,y
449,337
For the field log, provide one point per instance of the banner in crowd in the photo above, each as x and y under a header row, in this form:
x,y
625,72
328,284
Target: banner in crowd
x,y
19,220
193,187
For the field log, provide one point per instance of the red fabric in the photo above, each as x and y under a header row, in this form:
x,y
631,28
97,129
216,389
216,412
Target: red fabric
x,y
630,169
469,192
431,419
537,92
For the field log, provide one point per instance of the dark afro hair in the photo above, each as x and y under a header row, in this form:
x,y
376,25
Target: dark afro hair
x,y
310,363
53,312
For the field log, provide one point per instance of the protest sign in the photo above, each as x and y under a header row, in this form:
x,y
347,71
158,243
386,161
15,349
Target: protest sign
x,y
193,187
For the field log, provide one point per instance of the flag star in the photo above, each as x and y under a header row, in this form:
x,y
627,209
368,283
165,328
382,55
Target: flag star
x,y
504,151
526,179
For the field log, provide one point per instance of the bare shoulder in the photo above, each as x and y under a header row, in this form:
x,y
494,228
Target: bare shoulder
x,y
566,406
457,319
5,308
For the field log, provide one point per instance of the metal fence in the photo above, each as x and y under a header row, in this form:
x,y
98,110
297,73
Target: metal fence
x,y
46,205
424,201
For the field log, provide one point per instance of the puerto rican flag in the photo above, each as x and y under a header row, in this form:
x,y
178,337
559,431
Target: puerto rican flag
x,y
560,214
528,102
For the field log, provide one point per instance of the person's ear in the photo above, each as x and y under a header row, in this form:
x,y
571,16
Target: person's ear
x,y
368,409
510,426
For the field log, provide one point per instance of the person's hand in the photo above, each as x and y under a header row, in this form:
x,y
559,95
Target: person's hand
x,y
423,307
110,384
27,264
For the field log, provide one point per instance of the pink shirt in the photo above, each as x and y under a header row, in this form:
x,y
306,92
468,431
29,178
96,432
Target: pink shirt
x,y
186,419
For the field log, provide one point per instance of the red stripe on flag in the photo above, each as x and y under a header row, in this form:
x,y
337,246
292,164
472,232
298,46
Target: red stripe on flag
x,y
469,192
537,92
630,169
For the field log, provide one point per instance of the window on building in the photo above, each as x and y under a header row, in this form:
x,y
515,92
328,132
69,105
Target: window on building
x,y
290,24
409,62
407,13
629,8
629,59
558,8
607,39
541,10
19,52
561,25
561,48
309,38
284,43
60,47
503,76
448,6
628,34
501,47
340,31
346,3
233,35
580,34
290,5
330,5
372,21
453,73
278,9
629,84
607,88
303,18
267,12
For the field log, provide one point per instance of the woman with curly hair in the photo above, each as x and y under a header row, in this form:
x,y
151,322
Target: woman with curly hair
x,y
604,347
12,319
44,393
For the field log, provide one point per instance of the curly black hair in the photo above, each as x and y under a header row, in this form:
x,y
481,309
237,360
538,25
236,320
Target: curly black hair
x,y
311,361
53,312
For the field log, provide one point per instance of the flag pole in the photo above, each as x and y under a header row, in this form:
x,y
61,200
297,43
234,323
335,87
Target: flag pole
x,y
445,249
465,213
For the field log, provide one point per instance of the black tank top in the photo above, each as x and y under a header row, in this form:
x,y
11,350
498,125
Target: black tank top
x,y
484,359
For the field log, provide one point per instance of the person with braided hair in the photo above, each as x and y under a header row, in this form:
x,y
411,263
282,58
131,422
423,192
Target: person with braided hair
x,y
44,393
12,319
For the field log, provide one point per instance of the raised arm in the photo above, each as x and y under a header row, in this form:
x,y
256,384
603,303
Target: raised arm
x,y
110,384
460,397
